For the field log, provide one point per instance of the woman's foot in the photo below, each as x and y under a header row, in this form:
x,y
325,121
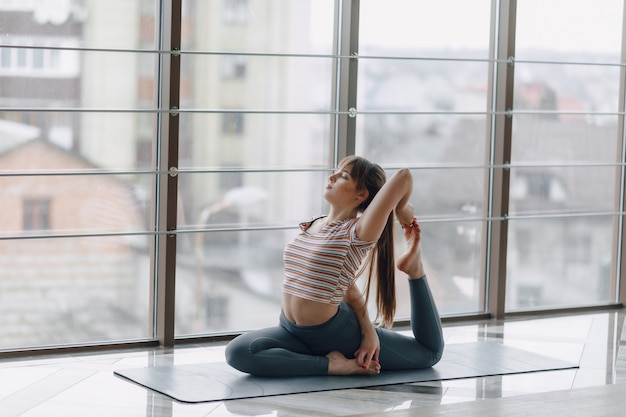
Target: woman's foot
x,y
410,262
338,364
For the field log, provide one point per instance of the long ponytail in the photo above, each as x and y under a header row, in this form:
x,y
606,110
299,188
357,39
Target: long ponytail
x,y
381,259
385,276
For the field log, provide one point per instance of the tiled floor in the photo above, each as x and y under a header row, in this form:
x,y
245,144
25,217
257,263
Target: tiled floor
x,y
84,385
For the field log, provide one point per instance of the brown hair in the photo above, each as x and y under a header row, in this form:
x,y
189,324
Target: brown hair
x,y
371,177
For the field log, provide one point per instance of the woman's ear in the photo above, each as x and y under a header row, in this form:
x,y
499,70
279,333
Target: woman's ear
x,y
362,196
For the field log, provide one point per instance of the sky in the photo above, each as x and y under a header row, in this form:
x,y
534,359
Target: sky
x,y
563,25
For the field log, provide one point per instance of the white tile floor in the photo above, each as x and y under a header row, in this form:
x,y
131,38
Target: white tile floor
x,y
84,385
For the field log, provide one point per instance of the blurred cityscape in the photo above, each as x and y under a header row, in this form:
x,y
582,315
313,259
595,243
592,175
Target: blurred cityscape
x,y
91,289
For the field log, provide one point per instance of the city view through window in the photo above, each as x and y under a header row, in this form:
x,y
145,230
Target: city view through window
x,y
81,86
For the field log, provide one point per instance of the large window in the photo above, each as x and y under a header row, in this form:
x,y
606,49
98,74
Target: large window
x,y
77,98
261,140
565,160
422,103
267,96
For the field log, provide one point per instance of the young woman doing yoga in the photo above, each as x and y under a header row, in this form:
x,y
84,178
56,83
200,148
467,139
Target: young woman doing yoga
x,y
324,327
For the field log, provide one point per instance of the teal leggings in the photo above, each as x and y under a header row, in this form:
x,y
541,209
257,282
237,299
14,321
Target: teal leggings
x,y
292,350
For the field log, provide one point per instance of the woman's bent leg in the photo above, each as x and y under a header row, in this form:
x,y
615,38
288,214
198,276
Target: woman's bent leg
x,y
398,351
425,320
273,352
291,350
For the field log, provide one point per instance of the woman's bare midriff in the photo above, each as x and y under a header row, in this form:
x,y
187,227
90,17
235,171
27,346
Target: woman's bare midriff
x,y
306,312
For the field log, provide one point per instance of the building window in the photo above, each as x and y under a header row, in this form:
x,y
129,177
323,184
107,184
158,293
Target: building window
x,y
235,11
232,123
21,58
38,59
5,57
21,61
144,152
230,180
233,66
542,186
36,214
579,249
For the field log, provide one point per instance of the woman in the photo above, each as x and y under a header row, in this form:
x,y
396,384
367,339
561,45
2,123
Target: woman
x,y
324,326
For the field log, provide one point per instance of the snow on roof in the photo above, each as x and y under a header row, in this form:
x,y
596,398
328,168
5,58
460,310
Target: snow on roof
x,y
13,134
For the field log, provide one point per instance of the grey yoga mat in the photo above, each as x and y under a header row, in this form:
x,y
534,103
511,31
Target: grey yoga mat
x,y
218,381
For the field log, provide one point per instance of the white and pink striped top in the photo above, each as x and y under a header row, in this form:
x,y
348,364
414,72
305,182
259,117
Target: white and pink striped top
x,y
321,266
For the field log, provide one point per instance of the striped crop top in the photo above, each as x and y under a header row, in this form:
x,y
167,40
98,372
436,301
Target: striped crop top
x,y
321,266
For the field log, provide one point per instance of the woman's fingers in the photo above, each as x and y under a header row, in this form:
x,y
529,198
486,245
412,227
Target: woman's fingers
x,y
365,359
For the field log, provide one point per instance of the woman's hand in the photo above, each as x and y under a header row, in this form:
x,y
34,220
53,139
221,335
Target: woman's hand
x,y
367,354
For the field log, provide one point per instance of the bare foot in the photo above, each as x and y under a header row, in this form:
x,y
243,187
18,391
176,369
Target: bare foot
x,y
410,262
338,364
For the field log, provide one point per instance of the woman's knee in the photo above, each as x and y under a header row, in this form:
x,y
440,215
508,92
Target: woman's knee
x,y
436,356
238,354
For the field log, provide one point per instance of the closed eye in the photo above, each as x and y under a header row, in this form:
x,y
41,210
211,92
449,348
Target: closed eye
x,y
345,174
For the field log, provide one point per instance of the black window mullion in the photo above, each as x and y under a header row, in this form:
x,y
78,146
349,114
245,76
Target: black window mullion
x,y
167,179
345,78
499,148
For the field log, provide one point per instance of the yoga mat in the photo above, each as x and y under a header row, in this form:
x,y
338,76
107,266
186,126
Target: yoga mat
x,y
218,381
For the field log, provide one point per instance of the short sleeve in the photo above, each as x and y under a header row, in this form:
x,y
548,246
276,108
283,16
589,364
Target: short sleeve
x,y
356,241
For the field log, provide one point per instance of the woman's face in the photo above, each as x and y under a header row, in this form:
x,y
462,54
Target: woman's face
x,y
341,188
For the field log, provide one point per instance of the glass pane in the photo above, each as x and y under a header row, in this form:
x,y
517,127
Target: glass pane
x,y
454,28
569,29
565,144
229,281
256,83
73,291
562,189
259,26
78,79
453,264
558,262
222,270
446,150
265,141
78,141
243,168
51,204
254,199
121,24
448,193
76,290
564,262
413,140
113,80
567,88
560,139
439,86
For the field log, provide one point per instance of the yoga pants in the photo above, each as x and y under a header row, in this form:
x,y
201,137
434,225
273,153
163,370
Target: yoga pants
x,y
292,350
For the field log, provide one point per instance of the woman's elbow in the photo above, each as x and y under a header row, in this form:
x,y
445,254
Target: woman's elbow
x,y
403,175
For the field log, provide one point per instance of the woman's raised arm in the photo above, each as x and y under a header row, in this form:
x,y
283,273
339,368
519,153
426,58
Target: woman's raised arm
x,y
394,195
